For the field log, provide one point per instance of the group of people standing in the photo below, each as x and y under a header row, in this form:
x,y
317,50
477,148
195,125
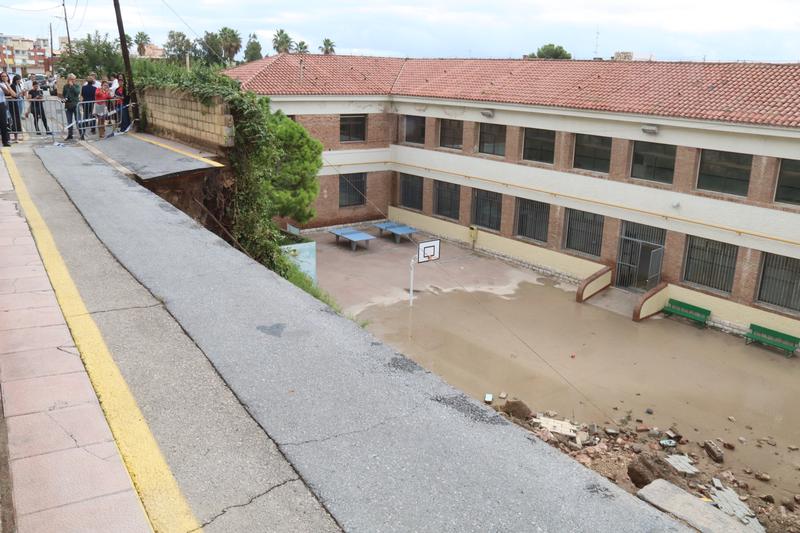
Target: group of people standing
x,y
89,107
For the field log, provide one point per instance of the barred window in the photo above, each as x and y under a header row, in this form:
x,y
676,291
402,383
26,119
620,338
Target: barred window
x,y
592,152
652,161
710,263
780,282
446,199
415,129
352,189
539,145
726,172
411,191
486,207
584,232
451,133
789,182
532,219
352,128
492,139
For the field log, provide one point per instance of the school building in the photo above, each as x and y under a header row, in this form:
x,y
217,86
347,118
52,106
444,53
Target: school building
x,y
677,178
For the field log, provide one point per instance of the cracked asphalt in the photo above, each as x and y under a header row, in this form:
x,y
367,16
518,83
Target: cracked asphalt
x,y
230,472
384,445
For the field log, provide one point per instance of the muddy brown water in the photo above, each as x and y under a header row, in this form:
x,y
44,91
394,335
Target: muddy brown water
x,y
493,327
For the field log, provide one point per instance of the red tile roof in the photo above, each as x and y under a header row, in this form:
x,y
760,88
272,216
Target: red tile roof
x,y
750,93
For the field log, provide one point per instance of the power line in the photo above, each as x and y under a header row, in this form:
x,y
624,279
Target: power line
x,y
30,10
200,39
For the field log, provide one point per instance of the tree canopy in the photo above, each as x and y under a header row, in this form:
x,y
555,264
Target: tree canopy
x,y
328,47
230,42
551,51
281,42
141,40
178,46
209,49
252,51
94,53
301,47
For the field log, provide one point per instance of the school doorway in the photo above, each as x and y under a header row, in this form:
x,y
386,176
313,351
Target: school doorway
x,y
641,250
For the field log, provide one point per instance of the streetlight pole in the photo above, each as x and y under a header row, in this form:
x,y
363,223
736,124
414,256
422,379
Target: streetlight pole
x,y
123,42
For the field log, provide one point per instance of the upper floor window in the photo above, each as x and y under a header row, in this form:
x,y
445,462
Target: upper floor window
x,y
592,152
780,281
451,133
415,129
486,207
652,161
789,182
584,232
352,189
726,172
539,145
710,263
492,139
352,128
411,191
446,199
532,219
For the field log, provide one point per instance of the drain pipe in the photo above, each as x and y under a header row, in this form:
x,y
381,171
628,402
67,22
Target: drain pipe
x,y
473,235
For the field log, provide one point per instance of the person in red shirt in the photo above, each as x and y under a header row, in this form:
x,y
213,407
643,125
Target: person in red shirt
x,y
103,100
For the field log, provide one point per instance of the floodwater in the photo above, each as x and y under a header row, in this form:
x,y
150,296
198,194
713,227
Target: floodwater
x,y
487,326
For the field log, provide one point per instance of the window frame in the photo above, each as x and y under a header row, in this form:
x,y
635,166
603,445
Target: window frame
x,y
362,195
404,181
460,144
487,194
575,153
406,129
568,225
525,144
436,190
703,152
545,228
481,132
654,179
760,287
353,115
700,284
778,183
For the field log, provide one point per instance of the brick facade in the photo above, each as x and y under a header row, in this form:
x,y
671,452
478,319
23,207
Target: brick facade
x,y
379,193
381,131
179,115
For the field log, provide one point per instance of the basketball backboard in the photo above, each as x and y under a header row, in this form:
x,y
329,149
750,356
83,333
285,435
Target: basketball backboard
x,y
428,251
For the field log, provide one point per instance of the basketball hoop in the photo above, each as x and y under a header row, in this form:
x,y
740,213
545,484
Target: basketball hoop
x,y
426,251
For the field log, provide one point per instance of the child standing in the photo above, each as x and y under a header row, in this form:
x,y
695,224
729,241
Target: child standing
x,y
102,101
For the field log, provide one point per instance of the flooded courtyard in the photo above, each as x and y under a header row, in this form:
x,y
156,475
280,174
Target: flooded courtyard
x,y
487,326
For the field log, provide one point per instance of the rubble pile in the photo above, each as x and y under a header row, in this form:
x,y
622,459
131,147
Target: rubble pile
x,y
632,454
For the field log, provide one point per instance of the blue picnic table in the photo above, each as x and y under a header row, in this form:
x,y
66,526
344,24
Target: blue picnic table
x,y
353,235
396,229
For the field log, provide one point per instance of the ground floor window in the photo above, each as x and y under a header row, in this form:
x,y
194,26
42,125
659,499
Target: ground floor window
x,y
446,199
411,191
780,281
584,232
710,263
532,219
352,189
486,207
789,182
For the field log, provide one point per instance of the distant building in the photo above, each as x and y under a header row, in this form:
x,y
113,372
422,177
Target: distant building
x,y
25,56
623,56
152,51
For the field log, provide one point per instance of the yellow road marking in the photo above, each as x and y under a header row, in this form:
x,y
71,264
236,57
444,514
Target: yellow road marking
x,y
178,150
163,501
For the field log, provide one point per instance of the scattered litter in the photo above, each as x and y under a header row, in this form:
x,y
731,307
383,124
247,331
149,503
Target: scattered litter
x,y
667,443
489,398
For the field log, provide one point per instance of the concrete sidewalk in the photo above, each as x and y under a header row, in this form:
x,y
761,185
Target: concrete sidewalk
x,y
67,474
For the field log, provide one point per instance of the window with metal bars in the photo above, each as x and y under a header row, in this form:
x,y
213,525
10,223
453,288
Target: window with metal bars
x,y
780,282
789,182
539,145
726,172
710,263
592,152
653,161
352,189
486,208
584,232
415,129
352,128
492,139
411,191
532,219
446,199
451,133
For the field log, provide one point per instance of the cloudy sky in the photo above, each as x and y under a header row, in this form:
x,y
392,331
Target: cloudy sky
x,y
766,30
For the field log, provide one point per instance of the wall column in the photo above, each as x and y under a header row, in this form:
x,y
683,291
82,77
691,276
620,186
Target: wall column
x,y
565,148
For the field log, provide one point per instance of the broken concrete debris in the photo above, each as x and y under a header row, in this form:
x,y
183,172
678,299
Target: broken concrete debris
x,y
714,451
683,464
488,398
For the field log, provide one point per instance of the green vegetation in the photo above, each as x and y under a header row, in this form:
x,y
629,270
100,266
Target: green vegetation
x,y
281,42
274,159
551,51
94,53
252,52
141,40
328,47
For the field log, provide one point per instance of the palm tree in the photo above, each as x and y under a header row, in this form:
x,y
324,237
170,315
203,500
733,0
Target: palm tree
x,y
141,40
231,42
281,42
327,47
301,47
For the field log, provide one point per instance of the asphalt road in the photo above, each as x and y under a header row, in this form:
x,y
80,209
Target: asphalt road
x,y
383,444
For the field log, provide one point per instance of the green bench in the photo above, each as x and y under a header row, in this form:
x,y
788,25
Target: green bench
x,y
770,337
692,312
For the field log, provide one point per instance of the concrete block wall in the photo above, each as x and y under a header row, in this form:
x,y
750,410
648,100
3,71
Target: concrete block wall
x,y
179,115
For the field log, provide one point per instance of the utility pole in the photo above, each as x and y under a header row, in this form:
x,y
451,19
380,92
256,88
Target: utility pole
x,y
51,48
129,86
66,23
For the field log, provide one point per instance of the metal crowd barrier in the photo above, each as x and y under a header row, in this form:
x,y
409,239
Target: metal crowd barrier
x,y
48,119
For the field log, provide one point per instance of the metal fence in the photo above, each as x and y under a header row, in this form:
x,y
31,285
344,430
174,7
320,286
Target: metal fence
x,y
49,119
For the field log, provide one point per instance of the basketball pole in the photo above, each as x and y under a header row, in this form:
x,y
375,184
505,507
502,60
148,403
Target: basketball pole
x,y
411,283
